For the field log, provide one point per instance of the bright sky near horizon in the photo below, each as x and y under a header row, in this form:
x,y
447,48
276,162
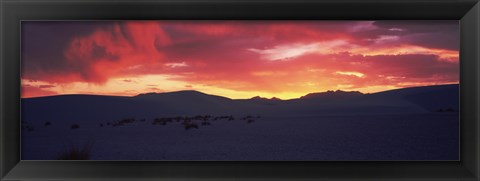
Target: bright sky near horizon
x,y
236,59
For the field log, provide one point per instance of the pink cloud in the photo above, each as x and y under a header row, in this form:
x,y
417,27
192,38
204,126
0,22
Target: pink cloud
x,y
35,91
271,56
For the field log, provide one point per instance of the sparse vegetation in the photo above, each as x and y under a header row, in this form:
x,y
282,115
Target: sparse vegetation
x,y
161,121
188,122
204,120
74,126
123,122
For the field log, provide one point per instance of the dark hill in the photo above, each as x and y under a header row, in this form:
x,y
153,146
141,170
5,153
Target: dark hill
x,y
150,105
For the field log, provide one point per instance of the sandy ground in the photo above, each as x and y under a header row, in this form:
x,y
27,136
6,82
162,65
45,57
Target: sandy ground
x,y
432,136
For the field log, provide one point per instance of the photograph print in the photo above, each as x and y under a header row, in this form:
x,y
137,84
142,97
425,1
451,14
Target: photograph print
x,y
256,90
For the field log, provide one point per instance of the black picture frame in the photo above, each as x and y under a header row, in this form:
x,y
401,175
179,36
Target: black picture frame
x,y
12,12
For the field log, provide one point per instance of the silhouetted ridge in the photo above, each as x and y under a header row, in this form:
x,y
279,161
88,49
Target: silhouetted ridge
x,y
431,98
413,90
264,98
184,94
95,107
332,94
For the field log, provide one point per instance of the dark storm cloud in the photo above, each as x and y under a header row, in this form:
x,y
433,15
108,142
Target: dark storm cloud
x,y
44,43
432,34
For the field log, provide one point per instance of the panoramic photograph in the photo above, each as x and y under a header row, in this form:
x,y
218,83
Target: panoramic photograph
x,y
251,90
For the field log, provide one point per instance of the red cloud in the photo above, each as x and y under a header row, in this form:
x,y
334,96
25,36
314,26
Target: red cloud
x,y
108,51
323,71
272,56
35,91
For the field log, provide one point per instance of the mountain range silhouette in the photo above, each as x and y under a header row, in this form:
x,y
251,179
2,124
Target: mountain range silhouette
x,y
423,99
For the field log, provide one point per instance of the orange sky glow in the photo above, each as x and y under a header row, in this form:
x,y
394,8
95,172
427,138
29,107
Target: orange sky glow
x,y
236,59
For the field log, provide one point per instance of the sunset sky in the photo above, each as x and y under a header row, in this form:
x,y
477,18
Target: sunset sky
x,y
236,59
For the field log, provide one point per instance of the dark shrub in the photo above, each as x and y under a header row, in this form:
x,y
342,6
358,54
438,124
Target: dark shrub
x,y
449,110
72,152
186,122
101,125
161,121
126,121
247,117
74,126
191,126
250,121
48,123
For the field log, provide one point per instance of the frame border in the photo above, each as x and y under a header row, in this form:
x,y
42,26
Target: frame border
x,y
14,11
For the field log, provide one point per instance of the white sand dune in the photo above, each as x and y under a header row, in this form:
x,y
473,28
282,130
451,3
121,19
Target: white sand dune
x,y
401,124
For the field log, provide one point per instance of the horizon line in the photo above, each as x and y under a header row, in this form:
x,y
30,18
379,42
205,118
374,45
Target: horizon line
x,y
274,97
